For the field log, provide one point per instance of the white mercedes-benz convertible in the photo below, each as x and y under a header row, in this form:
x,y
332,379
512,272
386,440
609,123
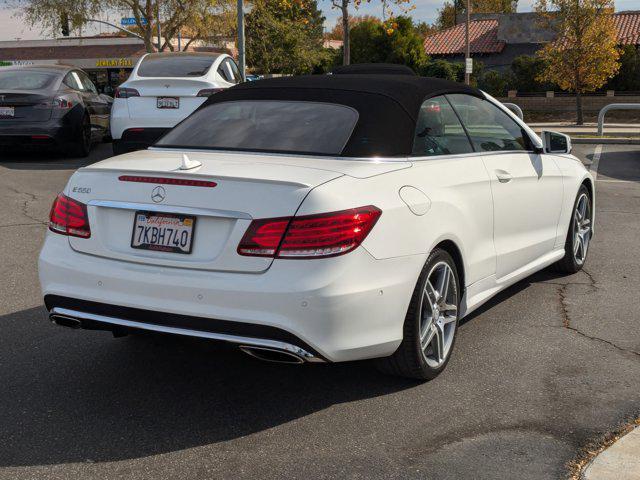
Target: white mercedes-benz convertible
x,y
319,219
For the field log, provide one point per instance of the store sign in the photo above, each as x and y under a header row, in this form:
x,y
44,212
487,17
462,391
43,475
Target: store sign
x,y
15,63
114,62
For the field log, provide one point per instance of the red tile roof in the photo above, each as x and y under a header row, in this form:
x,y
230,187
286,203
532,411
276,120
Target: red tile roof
x,y
628,24
483,38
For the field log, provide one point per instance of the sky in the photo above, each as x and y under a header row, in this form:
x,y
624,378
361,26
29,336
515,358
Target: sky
x,y
12,28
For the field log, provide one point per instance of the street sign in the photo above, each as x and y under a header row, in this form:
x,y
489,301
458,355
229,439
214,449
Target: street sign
x,y
468,65
126,21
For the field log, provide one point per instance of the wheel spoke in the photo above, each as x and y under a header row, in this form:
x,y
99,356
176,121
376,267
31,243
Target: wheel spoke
x,y
443,283
439,343
426,337
450,308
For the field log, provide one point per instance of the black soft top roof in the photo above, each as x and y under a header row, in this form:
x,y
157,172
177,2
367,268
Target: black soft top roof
x,y
388,105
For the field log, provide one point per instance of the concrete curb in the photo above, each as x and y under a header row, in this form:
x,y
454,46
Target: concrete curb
x,y
621,141
621,461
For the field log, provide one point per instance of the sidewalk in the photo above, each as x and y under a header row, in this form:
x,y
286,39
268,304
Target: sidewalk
x,y
590,129
621,461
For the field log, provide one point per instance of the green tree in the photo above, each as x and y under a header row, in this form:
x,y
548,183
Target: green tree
x,y
285,38
400,42
447,15
526,69
175,14
343,6
628,77
584,55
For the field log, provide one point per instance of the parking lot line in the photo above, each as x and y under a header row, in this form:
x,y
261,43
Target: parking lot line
x,y
596,161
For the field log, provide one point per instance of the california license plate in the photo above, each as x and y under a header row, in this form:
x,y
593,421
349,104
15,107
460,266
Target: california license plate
x,y
168,102
7,112
164,232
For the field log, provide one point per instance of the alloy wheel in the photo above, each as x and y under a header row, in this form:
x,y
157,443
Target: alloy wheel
x,y
581,228
439,314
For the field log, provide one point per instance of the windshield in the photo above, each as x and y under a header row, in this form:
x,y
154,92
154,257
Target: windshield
x,y
266,125
181,65
25,80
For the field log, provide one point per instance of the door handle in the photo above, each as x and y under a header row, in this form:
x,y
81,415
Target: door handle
x,y
503,177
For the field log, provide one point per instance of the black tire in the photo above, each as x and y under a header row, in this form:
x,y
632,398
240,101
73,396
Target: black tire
x,y
569,264
409,360
82,145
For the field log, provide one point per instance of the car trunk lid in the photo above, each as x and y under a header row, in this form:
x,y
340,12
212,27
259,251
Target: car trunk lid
x,y
246,187
25,106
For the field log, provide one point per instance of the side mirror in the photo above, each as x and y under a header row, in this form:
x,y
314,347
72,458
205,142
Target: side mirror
x,y
555,142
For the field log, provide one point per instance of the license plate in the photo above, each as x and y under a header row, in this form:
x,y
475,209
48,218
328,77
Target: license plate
x,y
168,102
164,232
7,112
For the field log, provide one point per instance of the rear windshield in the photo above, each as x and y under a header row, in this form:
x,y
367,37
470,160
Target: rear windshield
x,y
266,126
166,65
25,80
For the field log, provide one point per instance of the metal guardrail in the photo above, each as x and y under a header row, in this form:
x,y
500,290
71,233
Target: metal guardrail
x,y
515,108
613,106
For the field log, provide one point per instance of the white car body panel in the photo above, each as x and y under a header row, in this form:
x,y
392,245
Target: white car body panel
x,y
142,111
347,307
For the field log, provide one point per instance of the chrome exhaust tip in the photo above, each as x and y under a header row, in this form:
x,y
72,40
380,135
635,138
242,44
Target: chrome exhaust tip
x,y
272,355
65,321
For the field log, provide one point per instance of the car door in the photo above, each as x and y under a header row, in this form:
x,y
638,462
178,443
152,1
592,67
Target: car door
x,y
526,185
97,106
447,169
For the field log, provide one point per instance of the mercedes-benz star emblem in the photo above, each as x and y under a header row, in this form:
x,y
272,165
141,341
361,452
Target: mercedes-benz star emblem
x,y
158,194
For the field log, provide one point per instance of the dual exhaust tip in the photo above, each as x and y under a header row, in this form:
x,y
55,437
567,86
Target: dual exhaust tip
x,y
266,354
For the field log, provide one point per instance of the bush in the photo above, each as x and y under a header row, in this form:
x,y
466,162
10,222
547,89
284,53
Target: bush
x,y
496,83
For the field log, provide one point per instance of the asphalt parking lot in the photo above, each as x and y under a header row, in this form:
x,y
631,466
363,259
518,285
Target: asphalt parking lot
x,y
549,365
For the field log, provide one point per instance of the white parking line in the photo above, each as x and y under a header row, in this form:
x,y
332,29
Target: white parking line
x,y
596,161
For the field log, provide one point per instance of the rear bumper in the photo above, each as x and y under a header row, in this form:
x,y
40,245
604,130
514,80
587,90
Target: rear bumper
x,y
52,132
337,309
101,316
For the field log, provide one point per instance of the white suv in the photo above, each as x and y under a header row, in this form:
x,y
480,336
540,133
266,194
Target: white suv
x,y
163,89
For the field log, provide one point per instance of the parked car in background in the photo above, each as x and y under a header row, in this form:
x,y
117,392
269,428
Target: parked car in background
x,y
51,106
323,218
163,89
251,77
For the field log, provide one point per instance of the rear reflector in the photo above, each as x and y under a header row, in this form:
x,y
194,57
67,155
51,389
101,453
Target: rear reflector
x,y
310,236
168,181
69,217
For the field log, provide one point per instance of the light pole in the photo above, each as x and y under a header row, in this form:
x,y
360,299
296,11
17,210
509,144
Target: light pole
x,y
467,55
241,50
158,20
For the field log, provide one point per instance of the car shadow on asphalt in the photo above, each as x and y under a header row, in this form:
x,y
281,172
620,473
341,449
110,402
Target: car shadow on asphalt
x,y
52,160
77,396
620,165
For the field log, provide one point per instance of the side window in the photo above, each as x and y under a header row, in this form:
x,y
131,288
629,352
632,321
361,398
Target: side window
x,y
438,130
235,71
72,80
222,71
489,127
87,83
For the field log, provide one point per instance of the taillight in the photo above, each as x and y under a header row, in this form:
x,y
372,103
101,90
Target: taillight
x,y
207,92
310,236
69,217
58,103
123,92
